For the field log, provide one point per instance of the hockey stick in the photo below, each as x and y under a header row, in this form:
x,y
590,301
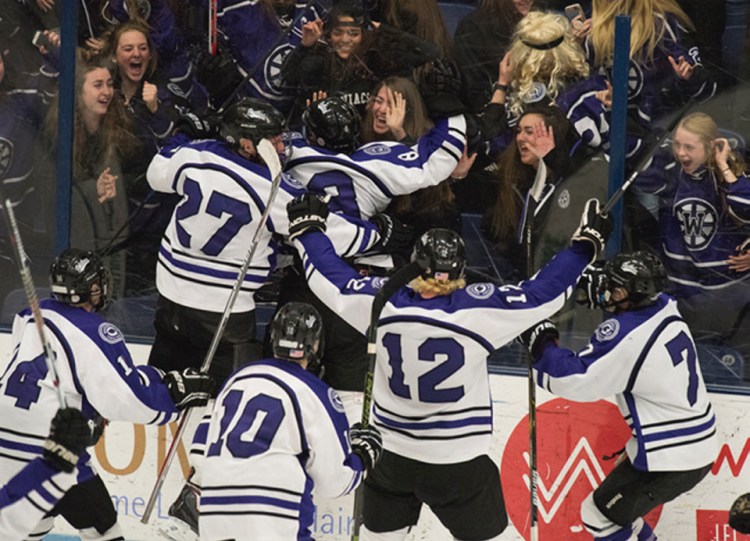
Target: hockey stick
x,y
213,26
31,296
399,279
527,233
268,153
645,160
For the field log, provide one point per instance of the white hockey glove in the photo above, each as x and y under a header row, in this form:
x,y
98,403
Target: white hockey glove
x,y
367,444
538,336
594,227
69,434
189,388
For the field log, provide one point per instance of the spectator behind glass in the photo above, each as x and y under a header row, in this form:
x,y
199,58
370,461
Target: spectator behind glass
x,y
542,134
249,29
102,142
175,64
704,222
142,89
421,18
482,39
665,63
329,59
397,113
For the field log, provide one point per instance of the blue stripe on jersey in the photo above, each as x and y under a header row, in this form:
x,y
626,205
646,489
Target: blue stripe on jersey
x,y
16,446
333,162
641,460
679,432
647,348
265,500
68,353
706,413
44,493
437,323
198,269
469,421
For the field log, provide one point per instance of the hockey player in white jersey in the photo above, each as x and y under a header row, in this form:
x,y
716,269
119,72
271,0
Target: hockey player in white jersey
x,y
645,356
431,395
362,180
35,490
96,375
277,435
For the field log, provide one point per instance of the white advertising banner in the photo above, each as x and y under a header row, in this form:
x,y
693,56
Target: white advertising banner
x,y
577,446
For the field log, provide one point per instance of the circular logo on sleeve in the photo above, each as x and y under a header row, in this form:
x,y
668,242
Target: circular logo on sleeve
x,y
110,333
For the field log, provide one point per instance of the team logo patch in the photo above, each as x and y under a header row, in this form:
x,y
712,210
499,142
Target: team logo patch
x,y
175,89
698,222
607,330
563,200
272,67
376,149
6,155
537,93
635,80
288,179
109,333
336,402
480,291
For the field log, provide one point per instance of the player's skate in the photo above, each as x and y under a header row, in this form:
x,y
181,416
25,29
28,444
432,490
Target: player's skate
x,y
182,523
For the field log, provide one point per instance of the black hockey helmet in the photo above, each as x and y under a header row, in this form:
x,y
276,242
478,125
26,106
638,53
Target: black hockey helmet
x,y
74,272
297,333
441,253
332,123
641,274
252,119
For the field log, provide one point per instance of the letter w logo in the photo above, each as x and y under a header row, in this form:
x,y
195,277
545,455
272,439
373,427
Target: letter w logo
x,y
693,222
582,461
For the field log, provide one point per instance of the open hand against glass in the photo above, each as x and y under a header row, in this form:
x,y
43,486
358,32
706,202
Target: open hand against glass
x,y
464,165
395,113
319,95
311,32
542,141
682,68
106,186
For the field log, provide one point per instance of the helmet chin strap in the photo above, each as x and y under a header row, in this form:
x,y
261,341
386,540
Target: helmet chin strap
x,y
606,302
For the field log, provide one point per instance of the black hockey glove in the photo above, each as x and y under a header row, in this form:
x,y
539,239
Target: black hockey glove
x,y
189,388
69,434
218,73
308,211
587,291
395,236
367,444
196,127
538,336
739,514
594,227
97,426
440,85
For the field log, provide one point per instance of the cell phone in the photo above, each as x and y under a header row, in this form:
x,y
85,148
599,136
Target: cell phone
x,y
574,10
41,40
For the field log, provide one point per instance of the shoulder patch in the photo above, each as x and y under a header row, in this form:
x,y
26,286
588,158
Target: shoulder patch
x,y
288,179
480,291
607,330
335,400
536,94
376,150
379,281
110,333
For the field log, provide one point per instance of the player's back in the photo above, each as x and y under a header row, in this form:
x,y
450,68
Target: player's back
x,y
276,432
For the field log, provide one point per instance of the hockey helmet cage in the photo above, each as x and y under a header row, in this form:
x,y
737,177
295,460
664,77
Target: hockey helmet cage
x,y
252,119
332,123
640,273
74,272
297,333
441,253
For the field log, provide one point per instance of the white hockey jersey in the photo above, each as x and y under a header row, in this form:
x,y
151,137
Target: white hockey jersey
x,y
209,235
647,359
431,388
30,495
362,184
97,375
277,434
